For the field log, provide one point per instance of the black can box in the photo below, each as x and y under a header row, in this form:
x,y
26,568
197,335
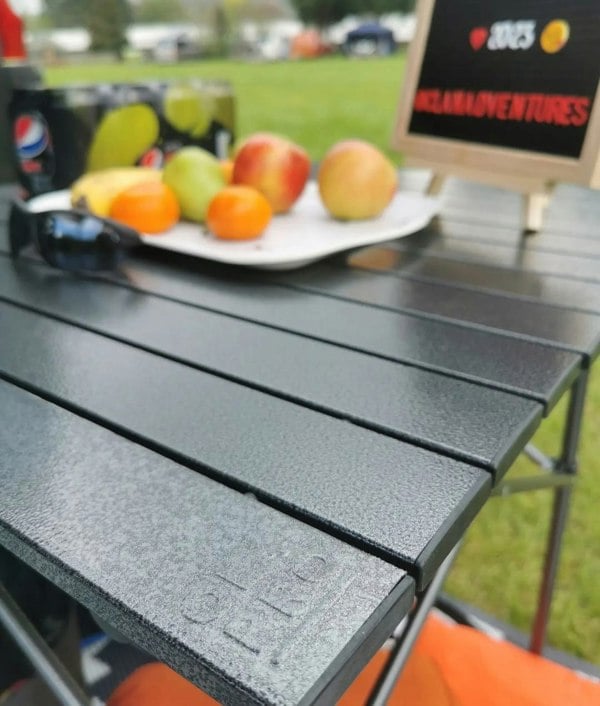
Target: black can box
x,y
61,133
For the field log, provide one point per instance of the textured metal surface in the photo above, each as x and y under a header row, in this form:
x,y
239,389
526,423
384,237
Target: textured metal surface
x,y
250,604
490,359
563,264
403,401
572,209
575,295
386,495
571,330
480,309
511,239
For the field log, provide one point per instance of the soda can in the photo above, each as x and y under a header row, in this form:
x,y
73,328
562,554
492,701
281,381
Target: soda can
x,y
12,75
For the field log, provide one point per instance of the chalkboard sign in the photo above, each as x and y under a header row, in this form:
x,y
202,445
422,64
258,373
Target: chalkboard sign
x,y
499,88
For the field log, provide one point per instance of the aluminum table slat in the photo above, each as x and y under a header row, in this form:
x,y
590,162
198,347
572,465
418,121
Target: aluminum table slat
x,y
400,501
572,209
403,401
486,358
559,292
250,604
538,262
533,321
511,239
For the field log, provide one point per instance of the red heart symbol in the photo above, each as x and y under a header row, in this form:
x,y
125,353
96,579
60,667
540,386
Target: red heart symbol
x,y
478,37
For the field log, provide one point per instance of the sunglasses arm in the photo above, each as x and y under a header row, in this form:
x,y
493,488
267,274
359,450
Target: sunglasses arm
x,y
122,234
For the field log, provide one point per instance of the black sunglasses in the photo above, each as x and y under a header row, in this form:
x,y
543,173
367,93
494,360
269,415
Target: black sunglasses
x,y
70,240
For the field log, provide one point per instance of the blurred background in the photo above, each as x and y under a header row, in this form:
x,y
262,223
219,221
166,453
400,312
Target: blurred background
x,y
72,31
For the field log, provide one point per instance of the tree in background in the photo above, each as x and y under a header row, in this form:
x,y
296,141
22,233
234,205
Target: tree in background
x,y
225,16
382,7
326,12
67,13
323,12
158,11
107,22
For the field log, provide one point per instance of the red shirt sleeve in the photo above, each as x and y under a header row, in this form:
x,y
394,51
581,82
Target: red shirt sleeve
x,y
11,33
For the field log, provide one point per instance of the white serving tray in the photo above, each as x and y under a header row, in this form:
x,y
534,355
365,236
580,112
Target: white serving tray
x,y
305,234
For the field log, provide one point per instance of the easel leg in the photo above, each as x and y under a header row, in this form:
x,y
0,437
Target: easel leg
x,y
435,184
534,207
567,464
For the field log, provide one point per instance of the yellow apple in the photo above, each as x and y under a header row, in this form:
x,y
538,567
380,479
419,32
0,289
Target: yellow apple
x,y
356,180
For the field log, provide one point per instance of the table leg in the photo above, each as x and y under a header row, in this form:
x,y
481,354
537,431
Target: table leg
x,y
42,658
566,464
401,652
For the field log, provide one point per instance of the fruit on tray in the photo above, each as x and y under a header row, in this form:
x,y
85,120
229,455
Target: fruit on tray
x,y
195,176
150,207
227,169
274,165
356,180
122,137
238,212
188,110
96,191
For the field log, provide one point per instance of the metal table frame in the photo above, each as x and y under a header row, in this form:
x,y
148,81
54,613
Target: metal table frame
x,y
560,477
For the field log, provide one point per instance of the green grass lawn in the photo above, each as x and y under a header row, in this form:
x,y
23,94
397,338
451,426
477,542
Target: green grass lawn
x,y
313,102
317,103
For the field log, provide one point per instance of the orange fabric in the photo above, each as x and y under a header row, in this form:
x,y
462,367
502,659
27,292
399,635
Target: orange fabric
x,y
420,684
479,670
157,685
450,666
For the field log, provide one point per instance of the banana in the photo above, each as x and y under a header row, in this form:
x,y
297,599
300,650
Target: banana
x,y
96,191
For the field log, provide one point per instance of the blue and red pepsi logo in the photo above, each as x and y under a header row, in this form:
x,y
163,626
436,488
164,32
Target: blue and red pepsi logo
x,y
31,135
152,158
157,157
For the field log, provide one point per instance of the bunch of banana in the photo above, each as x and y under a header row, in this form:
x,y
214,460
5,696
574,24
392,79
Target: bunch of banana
x,y
96,191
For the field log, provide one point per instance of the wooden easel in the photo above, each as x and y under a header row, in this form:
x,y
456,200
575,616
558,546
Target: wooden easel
x,y
536,194
533,174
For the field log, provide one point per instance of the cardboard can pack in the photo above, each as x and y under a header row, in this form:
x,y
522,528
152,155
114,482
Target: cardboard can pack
x,y
60,133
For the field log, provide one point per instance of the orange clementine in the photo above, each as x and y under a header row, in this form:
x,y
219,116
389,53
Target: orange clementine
x,y
227,169
150,207
238,213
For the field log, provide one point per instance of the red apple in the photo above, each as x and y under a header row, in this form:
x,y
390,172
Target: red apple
x,y
356,180
274,165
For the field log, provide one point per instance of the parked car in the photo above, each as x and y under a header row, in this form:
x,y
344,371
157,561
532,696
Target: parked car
x,y
170,50
370,39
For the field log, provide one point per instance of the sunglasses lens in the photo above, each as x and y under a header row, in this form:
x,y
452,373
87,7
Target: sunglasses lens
x,y
75,241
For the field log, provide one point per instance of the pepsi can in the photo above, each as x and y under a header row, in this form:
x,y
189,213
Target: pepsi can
x,y
51,131
11,76
34,151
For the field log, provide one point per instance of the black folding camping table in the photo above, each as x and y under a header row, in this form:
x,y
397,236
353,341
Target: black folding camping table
x,y
250,475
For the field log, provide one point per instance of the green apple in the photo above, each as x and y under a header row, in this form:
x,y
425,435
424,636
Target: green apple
x,y
195,176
